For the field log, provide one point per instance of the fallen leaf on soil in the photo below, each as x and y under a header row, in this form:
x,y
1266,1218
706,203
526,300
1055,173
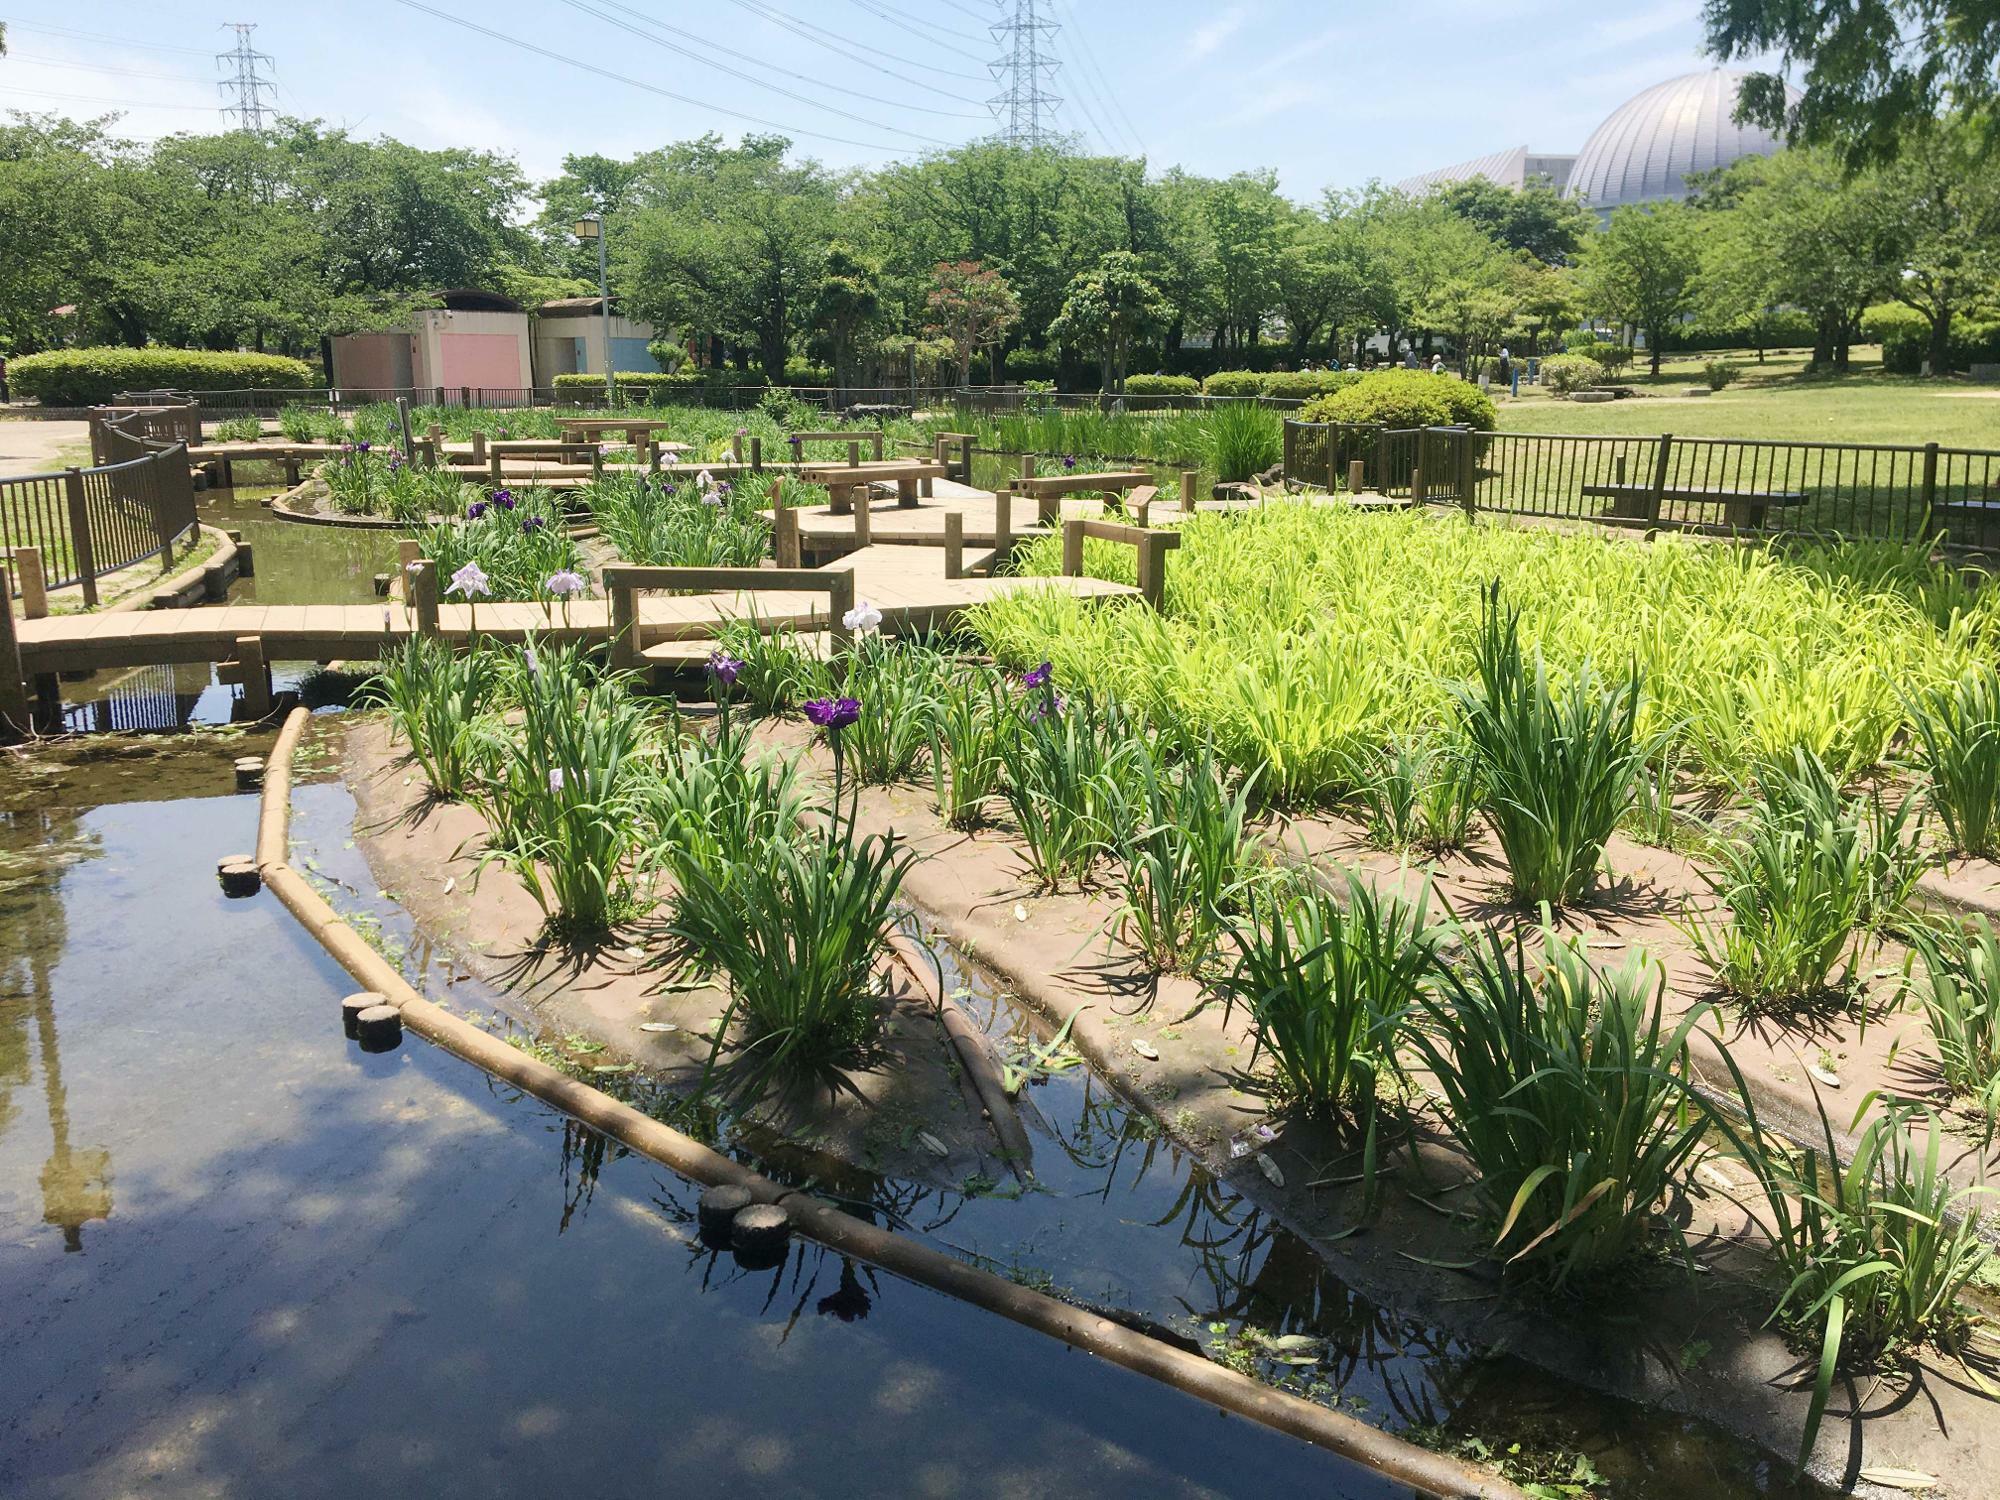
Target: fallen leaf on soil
x,y
1446,1265
1821,1075
635,951
1145,1049
1271,1170
1020,912
658,1026
1900,1479
451,885
932,1144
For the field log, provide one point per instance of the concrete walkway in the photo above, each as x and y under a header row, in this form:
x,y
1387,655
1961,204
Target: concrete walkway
x,y
34,447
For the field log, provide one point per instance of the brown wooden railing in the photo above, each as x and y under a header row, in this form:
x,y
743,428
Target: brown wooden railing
x,y
1895,492
136,502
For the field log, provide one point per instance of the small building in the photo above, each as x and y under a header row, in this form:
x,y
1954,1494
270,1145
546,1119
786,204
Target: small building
x,y
569,340
473,339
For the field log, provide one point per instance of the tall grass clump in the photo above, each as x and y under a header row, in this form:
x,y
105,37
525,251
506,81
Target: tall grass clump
x,y
1328,985
564,790
518,541
1959,995
1419,796
1566,1090
658,520
1181,854
1243,439
1811,873
1557,772
1957,728
780,671
1873,1256
1067,765
899,683
439,702
964,726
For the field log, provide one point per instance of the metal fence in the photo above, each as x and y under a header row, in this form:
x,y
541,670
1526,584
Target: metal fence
x,y
135,503
1897,492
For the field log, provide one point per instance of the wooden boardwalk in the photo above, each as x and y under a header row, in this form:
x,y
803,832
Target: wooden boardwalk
x,y
907,584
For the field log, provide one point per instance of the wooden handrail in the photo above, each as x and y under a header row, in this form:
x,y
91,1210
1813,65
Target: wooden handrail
x,y
624,582
1152,547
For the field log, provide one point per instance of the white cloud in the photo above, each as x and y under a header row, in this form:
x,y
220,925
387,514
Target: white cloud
x,y
1210,35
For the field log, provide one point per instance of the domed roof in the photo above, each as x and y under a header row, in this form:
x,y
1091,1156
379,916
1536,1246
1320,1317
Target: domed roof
x,y
1654,139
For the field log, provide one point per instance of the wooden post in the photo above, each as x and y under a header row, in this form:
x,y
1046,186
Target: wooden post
x,y
1466,495
1003,527
1153,567
736,448
1072,558
624,628
16,721
79,534
403,416
597,461
494,478
756,455
1190,487
1357,476
854,454
424,595
1618,470
864,515
159,477
408,550
1930,483
434,435
954,544
1416,487
965,458
653,455
256,675
878,445
32,582
784,532
840,600
479,445
1657,495
1027,466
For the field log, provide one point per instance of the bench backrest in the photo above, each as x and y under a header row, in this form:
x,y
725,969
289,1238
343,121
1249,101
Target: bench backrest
x,y
1152,546
623,584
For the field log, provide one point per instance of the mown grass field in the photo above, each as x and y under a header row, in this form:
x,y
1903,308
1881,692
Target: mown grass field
x,y
1778,400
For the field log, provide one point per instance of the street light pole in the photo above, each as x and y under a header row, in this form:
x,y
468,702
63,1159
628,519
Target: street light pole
x,y
591,227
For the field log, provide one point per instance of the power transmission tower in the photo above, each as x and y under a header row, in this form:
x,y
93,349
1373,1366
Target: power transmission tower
x,y
244,93
1027,60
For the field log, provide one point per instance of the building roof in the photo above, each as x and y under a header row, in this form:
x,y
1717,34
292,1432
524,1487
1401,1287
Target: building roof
x,y
1646,147
476,299
563,307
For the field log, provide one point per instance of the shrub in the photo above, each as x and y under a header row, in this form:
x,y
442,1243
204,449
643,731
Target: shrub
x,y
1720,373
1234,383
1161,385
1811,871
1557,773
1561,1085
1300,384
805,372
91,377
1958,729
1403,399
1960,998
1328,987
635,387
1906,340
1566,373
1026,364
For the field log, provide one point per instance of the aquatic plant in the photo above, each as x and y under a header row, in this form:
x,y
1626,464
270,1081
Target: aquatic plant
x,y
1957,727
244,429
1242,439
1420,796
658,520
1562,1086
518,542
1066,768
963,730
365,481
899,681
1328,985
1959,995
439,701
1182,863
1556,772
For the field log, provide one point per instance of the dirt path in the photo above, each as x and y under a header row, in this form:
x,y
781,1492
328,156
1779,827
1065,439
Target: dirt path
x,y
42,447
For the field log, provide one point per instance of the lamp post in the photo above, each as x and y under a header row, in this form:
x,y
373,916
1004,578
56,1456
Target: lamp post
x,y
591,227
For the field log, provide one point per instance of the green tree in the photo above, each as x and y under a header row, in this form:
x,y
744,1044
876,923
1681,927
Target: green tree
x,y
1944,205
1642,270
850,298
1246,224
1107,310
970,307
1323,278
1545,298
1551,226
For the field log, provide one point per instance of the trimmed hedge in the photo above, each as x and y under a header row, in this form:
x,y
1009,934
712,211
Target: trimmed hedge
x,y
91,377
654,383
1288,383
1031,364
1906,340
1403,399
1161,385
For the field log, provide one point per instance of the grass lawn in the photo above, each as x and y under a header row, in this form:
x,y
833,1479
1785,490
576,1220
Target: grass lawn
x,y
1778,400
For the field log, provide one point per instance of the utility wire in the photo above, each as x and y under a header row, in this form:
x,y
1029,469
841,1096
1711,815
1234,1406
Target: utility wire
x,y
699,41
896,17
55,62
1107,94
106,99
967,10
98,36
833,43
637,83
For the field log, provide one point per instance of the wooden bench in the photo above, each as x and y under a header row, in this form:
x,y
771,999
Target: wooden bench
x,y
911,476
1047,491
623,584
1743,509
798,440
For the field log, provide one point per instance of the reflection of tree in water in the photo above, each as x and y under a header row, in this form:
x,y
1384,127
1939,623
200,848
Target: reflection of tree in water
x,y
34,844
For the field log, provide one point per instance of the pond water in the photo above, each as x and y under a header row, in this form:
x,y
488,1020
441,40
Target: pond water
x,y
242,1257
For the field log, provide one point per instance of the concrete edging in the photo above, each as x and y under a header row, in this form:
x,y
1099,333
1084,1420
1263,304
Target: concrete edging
x,y
1401,1462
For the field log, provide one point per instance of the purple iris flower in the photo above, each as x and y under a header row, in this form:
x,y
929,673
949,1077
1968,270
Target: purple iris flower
x,y
362,446
1068,463
504,499
533,523
1040,677
1048,708
833,713
724,668
475,510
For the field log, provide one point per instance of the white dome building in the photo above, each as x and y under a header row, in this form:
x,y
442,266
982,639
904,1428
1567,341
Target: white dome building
x,y
1645,150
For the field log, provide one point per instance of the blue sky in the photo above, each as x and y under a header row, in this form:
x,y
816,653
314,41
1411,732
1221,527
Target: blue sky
x,y
1327,93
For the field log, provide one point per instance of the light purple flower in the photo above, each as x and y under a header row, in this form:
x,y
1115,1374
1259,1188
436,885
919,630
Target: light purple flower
x,y
724,668
833,713
863,619
556,779
1040,677
565,583
469,581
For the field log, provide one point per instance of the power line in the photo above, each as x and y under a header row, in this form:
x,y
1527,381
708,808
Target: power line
x,y
98,36
1025,59
246,89
651,88
953,114
904,18
751,78
833,43
965,10
56,62
1092,68
108,99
